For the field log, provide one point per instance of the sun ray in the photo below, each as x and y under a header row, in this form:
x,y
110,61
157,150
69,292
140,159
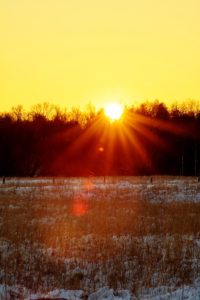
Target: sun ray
x,y
139,148
162,124
125,148
110,139
86,137
148,134
130,144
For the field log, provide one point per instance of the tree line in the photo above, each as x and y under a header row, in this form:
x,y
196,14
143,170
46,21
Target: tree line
x,y
150,139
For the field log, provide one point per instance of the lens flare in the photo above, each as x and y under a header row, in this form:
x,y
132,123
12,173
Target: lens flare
x,y
80,207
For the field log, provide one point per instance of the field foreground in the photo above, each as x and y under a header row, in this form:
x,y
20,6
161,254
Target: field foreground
x,y
122,238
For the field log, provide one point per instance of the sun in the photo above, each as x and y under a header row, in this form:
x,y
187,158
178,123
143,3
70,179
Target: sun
x,y
113,111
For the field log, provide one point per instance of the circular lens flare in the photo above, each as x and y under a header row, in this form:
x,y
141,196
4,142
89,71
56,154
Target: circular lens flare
x,y
113,111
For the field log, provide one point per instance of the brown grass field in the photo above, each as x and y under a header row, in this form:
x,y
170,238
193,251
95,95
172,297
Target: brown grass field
x,y
80,233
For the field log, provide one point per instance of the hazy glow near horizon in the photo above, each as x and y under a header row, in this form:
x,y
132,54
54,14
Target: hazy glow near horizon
x,y
75,52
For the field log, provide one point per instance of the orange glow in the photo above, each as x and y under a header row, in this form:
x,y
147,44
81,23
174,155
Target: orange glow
x,y
80,207
101,149
113,111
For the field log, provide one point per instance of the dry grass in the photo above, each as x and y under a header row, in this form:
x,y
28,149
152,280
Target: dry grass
x,y
88,240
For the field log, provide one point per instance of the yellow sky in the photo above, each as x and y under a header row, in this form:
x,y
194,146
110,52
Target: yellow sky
x,y
71,52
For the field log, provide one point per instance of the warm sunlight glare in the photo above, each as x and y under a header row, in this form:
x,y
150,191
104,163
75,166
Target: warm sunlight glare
x,y
113,111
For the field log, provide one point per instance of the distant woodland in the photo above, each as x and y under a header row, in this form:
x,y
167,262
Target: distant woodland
x,y
150,139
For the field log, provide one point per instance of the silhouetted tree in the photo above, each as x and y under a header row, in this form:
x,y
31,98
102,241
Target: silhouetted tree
x,y
51,141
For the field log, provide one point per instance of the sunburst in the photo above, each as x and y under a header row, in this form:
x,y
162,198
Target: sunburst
x,y
113,111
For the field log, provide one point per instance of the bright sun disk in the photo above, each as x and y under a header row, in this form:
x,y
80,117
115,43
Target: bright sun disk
x,y
113,111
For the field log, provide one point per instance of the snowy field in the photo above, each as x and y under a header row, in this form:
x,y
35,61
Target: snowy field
x,y
100,238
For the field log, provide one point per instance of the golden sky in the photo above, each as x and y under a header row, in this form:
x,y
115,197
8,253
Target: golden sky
x,y
72,52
